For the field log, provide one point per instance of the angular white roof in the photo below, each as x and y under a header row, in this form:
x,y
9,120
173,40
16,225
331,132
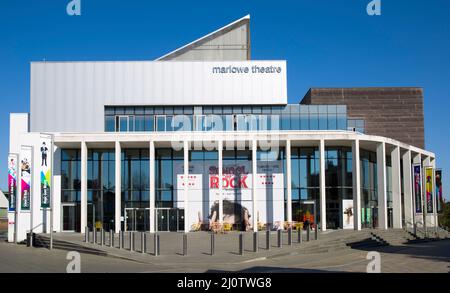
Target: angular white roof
x,y
229,43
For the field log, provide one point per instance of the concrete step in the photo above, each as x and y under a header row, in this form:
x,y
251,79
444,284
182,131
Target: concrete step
x,y
40,240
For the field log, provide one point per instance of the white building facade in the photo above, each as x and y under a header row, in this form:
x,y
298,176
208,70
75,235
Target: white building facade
x,y
198,138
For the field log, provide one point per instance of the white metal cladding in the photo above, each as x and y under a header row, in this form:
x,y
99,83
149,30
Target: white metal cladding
x,y
70,96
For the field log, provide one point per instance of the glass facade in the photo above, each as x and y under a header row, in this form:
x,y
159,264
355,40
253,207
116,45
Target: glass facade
x,y
237,166
166,162
369,189
305,169
70,175
71,189
135,171
338,184
101,188
225,118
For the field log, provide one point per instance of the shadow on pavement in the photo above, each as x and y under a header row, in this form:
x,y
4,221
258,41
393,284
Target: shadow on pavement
x,y
265,269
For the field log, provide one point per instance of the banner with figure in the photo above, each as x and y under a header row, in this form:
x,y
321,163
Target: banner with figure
x,y
429,189
417,187
46,170
25,177
439,198
12,181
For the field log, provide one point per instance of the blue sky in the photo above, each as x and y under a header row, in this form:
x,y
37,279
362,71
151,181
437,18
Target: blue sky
x,y
327,43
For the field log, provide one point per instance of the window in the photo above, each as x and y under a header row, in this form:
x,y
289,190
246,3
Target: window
x,y
357,125
124,123
160,123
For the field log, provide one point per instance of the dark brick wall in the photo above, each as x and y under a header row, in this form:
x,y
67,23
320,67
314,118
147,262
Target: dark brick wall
x,y
391,112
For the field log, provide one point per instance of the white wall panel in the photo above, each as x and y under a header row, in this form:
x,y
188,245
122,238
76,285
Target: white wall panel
x,y
70,96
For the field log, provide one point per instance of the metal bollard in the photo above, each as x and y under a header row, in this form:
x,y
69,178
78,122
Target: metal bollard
x,y
142,243
156,244
255,241
145,242
94,236
131,241
111,238
308,229
102,237
280,238
185,243
241,244
268,239
316,233
86,234
120,239
299,235
290,236
212,243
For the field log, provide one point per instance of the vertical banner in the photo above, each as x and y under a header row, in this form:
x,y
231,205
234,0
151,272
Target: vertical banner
x,y
429,188
439,198
417,187
25,177
45,166
12,181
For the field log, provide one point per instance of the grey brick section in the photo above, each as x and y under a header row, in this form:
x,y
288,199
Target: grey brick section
x,y
394,112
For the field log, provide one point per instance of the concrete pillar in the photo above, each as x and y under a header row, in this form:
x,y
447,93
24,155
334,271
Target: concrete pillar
x,y
186,189
288,181
408,193
323,206
254,194
152,196
118,191
396,189
84,196
356,176
220,164
382,188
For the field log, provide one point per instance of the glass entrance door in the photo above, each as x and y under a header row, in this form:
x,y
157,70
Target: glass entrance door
x,y
137,219
70,217
169,220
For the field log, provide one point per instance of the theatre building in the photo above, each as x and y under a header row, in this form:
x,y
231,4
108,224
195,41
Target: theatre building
x,y
204,136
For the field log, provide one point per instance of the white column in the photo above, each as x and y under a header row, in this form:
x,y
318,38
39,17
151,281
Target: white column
x,y
408,189
426,163
152,196
118,192
254,196
382,188
84,197
288,181
56,196
435,211
186,189
323,206
396,189
356,177
220,157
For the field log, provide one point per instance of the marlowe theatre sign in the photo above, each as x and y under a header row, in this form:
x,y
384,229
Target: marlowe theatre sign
x,y
246,69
